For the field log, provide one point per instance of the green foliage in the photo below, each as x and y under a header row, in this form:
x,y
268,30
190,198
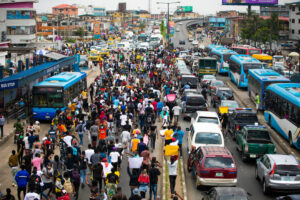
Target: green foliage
x,y
70,40
259,30
163,28
80,32
142,26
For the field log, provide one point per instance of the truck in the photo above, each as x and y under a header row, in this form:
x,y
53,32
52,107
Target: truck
x,y
239,118
206,66
254,141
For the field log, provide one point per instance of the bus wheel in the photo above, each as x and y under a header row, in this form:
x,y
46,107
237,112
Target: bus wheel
x,y
290,139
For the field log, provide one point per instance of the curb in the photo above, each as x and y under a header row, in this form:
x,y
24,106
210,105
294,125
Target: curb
x,y
273,136
164,180
183,182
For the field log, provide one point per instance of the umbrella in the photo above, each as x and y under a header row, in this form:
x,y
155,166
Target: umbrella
x,y
41,52
294,54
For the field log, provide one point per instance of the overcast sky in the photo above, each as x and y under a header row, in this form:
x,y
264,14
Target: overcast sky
x,y
200,6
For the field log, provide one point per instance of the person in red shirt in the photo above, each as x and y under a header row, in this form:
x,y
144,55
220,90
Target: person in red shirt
x,y
151,75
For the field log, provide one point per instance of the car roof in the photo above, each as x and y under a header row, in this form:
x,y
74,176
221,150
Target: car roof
x,y
230,191
215,151
194,95
207,114
188,76
224,88
206,127
229,101
282,159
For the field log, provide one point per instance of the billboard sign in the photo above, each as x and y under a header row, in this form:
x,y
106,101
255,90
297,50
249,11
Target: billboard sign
x,y
249,2
184,9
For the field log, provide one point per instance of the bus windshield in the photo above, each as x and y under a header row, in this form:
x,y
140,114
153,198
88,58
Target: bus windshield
x,y
226,57
248,66
254,51
51,100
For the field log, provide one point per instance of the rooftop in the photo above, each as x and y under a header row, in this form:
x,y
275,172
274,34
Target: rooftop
x,y
64,6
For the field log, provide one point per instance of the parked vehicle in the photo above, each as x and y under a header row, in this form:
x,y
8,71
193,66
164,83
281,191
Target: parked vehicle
x,y
289,197
254,141
230,104
214,84
204,134
239,118
278,173
189,79
226,193
206,80
193,103
205,117
221,93
212,166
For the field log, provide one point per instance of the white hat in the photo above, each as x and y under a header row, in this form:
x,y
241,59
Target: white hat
x,y
37,122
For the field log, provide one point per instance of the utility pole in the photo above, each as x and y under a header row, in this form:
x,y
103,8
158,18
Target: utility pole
x,y
168,19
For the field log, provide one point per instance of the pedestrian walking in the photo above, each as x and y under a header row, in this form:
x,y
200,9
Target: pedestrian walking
x,y
2,122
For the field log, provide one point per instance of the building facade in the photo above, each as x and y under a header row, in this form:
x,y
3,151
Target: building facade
x,y
281,10
65,10
294,24
17,22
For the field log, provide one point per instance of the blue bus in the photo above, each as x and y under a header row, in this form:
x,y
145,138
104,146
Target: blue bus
x,y
210,47
259,80
56,92
282,110
222,55
239,66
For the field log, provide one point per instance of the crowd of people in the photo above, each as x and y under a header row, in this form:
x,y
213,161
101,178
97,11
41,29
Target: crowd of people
x,y
118,117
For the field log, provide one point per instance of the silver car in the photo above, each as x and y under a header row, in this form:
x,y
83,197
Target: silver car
x,y
278,173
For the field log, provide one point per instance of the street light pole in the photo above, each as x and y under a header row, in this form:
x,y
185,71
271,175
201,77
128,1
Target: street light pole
x,y
168,18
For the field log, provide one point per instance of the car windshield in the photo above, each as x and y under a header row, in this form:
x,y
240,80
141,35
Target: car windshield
x,y
230,104
217,83
259,134
208,138
227,93
212,120
247,117
219,162
233,197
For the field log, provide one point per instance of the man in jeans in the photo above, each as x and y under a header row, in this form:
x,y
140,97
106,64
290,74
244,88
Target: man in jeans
x,y
13,164
153,176
172,166
2,121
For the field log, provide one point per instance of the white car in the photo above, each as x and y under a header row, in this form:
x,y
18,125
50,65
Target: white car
x,y
206,117
177,30
204,134
180,23
195,42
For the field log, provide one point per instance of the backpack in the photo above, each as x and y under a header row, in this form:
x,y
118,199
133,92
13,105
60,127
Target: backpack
x,y
35,183
76,176
110,117
68,186
75,153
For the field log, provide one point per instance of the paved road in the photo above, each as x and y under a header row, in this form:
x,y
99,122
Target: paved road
x,y
181,35
246,177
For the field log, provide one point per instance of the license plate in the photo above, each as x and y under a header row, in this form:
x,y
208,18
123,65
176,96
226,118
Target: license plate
x,y
219,174
286,178
252,156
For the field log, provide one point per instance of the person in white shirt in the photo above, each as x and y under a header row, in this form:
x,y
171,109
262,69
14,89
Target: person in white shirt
x,y
123,119
176,109
68,140
172,166
125,135
114,157
32,196
26,141
88,153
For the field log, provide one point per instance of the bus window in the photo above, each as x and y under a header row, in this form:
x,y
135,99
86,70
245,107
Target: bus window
x,y
40,100
248,66
55,100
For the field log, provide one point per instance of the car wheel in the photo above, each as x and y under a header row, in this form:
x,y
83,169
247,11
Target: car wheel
x,y
256,174
265,188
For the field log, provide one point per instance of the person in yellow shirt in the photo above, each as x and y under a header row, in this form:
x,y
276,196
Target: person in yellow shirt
x,y
73,107
134,143
168,135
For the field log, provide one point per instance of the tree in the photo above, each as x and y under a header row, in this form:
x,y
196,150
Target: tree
x,y
163,28
275,26
80,32
142,26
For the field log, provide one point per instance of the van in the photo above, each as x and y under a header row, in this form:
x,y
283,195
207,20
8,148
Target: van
x,y
193,103
189,79
123,46
204,134
213,166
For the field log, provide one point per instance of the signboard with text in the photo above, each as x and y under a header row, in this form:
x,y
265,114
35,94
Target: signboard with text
x,y
8,85
249,2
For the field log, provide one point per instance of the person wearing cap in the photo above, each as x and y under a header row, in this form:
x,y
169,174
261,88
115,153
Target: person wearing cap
x,y
114,157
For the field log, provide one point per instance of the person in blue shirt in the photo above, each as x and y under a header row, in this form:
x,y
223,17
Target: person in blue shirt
x,y
159,107
22,178
179,136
